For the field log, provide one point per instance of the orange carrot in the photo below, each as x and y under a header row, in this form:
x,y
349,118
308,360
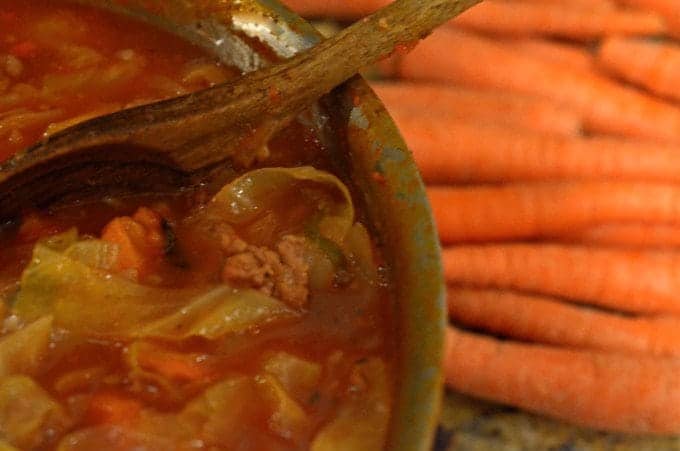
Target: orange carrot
x,y
532,210
448,103
25,49
452,150
627,235
613,392
667,8
606,106
176,365
653,65
576,57
547,320
521,19
632,281
107,407
592,5
336,9
140,239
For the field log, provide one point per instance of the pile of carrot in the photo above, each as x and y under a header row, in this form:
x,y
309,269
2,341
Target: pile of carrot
x,y
548,133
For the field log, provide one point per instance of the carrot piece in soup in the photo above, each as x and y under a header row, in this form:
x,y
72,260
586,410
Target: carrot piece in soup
x,y
140,239
25,49
111,407
176,365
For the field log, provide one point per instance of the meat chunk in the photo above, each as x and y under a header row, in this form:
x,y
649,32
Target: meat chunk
x,y
292,281
255,268
282,272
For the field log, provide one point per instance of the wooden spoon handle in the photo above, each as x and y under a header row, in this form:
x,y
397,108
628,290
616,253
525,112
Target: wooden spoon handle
x,y
284,90
229,121
234,119
315,72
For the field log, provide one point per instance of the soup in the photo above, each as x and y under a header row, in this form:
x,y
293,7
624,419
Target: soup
x,y
256,318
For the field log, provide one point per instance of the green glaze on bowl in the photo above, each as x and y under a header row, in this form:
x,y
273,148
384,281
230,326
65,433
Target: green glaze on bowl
x,y
249,34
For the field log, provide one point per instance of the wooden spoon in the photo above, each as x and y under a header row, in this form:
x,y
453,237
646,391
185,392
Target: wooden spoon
x,y
175,142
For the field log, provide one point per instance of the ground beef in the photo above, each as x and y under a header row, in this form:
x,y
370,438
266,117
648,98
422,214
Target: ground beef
x,y
282,272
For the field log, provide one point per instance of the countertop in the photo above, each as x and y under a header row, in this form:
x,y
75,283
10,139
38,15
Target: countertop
x,y
471,425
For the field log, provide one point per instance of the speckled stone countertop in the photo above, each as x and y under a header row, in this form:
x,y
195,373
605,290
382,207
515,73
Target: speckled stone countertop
x,y
471,425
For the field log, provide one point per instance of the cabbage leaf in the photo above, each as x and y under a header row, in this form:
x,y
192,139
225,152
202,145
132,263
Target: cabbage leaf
x,y
362,419
88,300
28,414
222,417
249,201
24,351
298,377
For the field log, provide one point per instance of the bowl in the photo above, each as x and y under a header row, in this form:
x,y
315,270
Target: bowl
x,y
352,122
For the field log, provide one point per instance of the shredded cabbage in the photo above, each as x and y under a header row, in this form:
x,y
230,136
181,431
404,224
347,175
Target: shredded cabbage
x,y
361,421
249,200
28,415
23,351
88,300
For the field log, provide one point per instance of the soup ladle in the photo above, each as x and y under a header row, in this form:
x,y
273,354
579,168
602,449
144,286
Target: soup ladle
x,y
176,142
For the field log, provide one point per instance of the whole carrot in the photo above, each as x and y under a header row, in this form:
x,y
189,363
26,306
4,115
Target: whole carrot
x,y
548,320
667,8
466,59
554,52
592,5
452,150
653,65
599,390
446,105
545,209
627,235
624,280
336,9
522,19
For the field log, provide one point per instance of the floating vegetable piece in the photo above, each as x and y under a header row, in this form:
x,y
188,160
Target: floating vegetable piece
x,y
23,351
360,251
81,379
174,374
297,376
89,301
222,413
61,241
219,418
210,419
4,446
97,254
85,299
288,420
250,200
361,421
29,416
223,310
173,365
115,438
